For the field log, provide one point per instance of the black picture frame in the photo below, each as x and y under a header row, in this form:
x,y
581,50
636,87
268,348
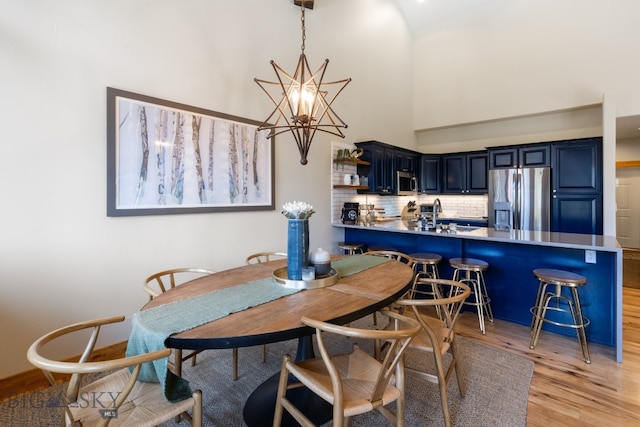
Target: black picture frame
x,y
165,158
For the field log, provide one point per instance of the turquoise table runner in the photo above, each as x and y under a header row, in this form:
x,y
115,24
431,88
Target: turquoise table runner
x,y
150,328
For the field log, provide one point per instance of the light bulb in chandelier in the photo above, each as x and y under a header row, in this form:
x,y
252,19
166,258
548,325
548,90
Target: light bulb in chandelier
x,y
302,105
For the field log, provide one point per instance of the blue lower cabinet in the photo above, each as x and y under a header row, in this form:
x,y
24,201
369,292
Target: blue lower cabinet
x,y
581,213
511,284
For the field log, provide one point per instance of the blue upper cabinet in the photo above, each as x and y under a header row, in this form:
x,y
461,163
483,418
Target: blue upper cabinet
x,y
577,186
577,166
379,170
477,173
430,173
385,160
405,160
465,173
538,155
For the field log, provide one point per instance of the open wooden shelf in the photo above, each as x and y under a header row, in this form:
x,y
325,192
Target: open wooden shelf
x,y
353,161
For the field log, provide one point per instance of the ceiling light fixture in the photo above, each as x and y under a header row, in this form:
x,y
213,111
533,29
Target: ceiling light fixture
x,y
306,101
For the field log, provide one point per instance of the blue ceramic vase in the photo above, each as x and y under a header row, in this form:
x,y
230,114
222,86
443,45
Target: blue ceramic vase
x,y
297,247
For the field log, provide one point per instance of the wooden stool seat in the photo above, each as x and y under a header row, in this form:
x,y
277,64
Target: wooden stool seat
x,y
559,277
470,264
564,305
351,248
426,257
473,277
428,262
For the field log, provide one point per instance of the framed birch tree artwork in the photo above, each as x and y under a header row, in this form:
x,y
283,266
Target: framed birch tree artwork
x,y
169,158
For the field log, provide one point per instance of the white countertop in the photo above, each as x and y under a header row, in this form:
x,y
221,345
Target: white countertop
x,y
542,238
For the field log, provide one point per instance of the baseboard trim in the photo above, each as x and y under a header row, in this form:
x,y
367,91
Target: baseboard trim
x,y
33,379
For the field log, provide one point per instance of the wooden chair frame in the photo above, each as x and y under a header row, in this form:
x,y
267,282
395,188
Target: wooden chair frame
x,y
398,256
260,257
164,281
370,388
437,336
130,365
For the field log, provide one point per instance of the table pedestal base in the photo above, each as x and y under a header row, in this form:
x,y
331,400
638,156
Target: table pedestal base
x,y
260,406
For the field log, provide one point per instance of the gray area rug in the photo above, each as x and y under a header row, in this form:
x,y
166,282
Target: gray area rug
x,y
497,389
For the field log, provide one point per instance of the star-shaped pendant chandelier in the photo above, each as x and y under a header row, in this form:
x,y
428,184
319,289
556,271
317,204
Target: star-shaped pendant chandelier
x,y
303,101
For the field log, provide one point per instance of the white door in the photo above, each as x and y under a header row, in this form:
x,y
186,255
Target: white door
x,y
628,204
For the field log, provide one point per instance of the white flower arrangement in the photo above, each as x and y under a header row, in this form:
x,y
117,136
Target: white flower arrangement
x,y
297,210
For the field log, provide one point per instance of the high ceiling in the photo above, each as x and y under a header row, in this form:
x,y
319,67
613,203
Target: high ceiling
x,y
421,15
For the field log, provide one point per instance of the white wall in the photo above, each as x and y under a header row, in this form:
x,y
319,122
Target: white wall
x,y
61,259
628,149
514,58
510,72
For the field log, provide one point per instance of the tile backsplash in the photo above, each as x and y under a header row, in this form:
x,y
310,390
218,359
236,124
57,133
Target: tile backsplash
x,y
462,206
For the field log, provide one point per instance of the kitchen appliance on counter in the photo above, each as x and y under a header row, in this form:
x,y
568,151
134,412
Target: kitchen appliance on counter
x,y
409,211
406,183
350,213
429,214
520,199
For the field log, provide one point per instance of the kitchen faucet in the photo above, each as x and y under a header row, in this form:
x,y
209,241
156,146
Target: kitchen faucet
x,y
437,207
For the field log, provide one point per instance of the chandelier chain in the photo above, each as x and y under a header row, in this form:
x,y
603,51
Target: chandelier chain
x,y
304,35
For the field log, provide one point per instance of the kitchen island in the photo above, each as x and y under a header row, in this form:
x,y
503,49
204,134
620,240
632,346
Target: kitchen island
x,y
512,256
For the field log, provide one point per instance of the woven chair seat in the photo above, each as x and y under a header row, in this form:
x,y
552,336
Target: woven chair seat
x,y
355,369
145,406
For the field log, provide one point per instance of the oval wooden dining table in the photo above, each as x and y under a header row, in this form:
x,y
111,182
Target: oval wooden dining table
x,y
349,299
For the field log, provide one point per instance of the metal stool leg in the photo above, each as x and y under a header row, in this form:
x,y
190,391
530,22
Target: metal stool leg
x,y
479,290
436,290
485,296
534,312
478,295
541,310
582,335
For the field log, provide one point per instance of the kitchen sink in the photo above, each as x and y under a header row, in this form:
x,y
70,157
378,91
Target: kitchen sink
x,y
466,228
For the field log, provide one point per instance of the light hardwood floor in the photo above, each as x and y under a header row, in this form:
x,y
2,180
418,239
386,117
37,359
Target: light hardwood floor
x,y
565,391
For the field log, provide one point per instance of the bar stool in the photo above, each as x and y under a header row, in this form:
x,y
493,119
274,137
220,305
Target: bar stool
x,y
351,248
560,280
474,278
426,265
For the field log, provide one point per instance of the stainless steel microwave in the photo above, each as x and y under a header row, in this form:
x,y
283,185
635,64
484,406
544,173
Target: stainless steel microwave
x,y
406,183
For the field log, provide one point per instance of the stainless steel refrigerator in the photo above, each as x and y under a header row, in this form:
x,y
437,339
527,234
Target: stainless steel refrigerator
x,y
520,199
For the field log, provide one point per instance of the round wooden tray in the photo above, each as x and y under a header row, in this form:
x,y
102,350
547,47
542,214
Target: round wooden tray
x,y
281,277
